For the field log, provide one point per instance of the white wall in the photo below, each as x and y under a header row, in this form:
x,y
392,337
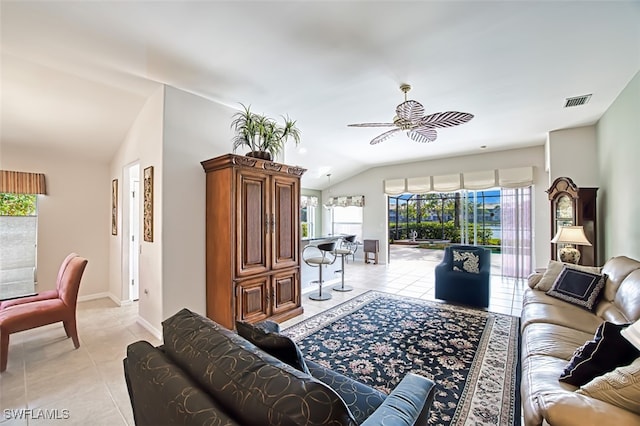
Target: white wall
x,y
173,132
143,143
74,216
573,153
370,184
618,134
195,129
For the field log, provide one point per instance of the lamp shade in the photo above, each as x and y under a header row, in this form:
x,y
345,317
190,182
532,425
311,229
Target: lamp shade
x,y
571,235
632,334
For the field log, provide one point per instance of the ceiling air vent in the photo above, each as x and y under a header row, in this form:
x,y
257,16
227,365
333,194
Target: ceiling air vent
x,y
577,101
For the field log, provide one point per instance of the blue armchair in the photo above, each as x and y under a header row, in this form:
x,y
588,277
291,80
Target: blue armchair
x,y
463,275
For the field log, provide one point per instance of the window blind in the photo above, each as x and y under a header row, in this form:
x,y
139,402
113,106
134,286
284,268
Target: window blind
x,y
517,177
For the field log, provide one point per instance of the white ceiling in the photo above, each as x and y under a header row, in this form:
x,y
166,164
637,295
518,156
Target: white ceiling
x,y
75,74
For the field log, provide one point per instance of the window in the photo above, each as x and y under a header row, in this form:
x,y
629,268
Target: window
x,y
308,205
468,217
347,220
498,218
18,233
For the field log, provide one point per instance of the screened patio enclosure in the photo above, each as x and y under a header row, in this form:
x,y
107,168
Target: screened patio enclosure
x,y
454,217
490,209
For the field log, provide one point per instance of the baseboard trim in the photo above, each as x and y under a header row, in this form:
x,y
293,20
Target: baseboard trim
x,y
94,296
119,302
104,295
150,328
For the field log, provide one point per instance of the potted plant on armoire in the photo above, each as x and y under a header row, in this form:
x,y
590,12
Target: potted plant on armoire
x,y
263,136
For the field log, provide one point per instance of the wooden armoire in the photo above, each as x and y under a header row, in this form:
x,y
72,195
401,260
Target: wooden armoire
x,y
571,205
252,241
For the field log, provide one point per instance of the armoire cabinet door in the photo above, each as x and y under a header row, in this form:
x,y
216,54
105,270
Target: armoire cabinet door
x,y
253,223
285,232
252,299
285,294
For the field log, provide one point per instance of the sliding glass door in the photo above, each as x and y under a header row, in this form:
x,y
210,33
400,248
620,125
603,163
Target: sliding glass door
x,y
497,218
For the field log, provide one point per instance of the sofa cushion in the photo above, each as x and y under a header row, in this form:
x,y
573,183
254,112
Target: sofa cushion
x,y
617,269
554,268
152,377
552,340
628,296
561,313
609,311
579,288
265,336
362,400
620,387
539,379
255,387
605,352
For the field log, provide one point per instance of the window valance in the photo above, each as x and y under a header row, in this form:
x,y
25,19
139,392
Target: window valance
x,y
308,201
22,182
516,177
346,201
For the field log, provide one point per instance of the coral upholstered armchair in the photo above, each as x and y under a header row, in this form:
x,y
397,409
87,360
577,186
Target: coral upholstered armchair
x,y
45,308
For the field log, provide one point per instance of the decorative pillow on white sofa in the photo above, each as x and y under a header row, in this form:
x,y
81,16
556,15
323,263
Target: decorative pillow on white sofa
x,y
620,387
578,287
554,268
607,351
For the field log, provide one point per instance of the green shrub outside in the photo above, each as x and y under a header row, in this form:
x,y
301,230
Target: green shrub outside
x,y
435,231
17,204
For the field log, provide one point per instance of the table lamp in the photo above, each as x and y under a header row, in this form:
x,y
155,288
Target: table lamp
x,y
570,236
632,334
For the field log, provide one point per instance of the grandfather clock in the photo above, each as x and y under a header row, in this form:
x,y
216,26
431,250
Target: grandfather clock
x,y
574,206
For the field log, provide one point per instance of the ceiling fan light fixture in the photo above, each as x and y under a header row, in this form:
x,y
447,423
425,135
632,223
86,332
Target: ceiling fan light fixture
x,y
410,117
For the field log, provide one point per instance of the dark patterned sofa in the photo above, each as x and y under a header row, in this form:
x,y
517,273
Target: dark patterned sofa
x,y
205,374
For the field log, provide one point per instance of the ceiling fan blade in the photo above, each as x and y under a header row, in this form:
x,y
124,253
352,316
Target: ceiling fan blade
x,y
423,134
445,119
410,110
386,135
371,125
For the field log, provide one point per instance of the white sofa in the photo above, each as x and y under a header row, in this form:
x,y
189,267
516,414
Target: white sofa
x,y
553,329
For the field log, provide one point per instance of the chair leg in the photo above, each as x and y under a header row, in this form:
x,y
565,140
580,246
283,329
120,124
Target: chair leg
x,y
72,331
317,295
4,350
342,287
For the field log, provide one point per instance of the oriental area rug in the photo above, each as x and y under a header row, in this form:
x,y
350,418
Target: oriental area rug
x,y
377,338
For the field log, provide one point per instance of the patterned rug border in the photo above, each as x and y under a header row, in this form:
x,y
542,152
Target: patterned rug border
x,y
479,368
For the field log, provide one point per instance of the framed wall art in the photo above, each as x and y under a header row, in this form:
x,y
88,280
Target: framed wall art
x,y
148,204
114,207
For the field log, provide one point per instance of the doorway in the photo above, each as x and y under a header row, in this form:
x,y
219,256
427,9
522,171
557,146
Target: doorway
x,y
131,237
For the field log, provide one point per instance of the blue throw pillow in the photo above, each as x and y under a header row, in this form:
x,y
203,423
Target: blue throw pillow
x,y
607,351
578,287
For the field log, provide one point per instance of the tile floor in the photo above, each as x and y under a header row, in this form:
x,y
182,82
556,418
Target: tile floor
x,y
86,386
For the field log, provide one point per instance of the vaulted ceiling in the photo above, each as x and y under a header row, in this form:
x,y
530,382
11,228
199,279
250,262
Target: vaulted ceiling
x,y
75,74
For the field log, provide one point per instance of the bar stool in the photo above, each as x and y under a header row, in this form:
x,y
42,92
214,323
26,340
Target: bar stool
x,y
345,249
324,258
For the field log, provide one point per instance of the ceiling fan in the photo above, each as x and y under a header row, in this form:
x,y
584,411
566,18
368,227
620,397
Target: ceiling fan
x,y
420,128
